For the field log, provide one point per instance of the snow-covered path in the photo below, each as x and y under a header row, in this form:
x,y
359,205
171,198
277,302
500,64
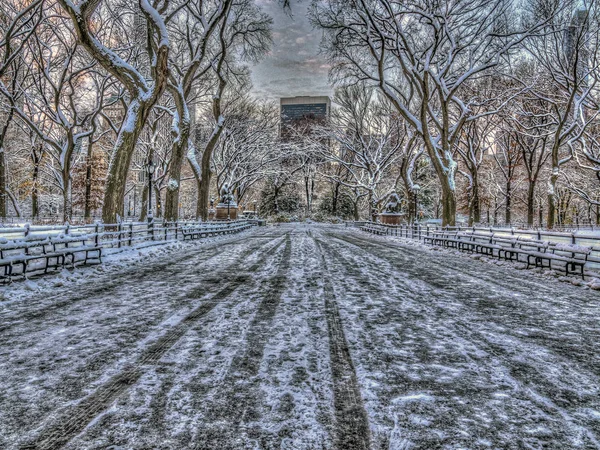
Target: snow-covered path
x,y
303,337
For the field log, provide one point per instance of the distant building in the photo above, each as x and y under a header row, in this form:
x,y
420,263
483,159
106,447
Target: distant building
x,y
305,108
302,111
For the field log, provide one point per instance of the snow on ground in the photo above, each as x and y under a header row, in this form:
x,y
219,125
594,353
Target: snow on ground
x,y
114,260
296,337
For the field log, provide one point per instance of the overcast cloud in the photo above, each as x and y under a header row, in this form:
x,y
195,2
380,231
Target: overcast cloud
x,y
294,65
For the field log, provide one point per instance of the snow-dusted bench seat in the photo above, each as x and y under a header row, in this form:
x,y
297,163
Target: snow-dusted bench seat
x,y
203,231
374,229
535,253
572,256
450,239
31,255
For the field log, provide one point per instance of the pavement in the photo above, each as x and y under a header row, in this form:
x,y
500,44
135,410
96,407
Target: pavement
x,y
298,337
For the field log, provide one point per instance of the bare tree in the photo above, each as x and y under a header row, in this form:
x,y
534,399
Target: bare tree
x,y
420,54
366,140
144,89
18,23
567,59
247,151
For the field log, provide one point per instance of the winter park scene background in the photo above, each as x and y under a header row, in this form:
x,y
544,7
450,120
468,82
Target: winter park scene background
x,y
300,224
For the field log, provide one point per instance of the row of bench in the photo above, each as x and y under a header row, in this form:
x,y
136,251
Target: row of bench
x,y
22,256
35,254
204,231
543,254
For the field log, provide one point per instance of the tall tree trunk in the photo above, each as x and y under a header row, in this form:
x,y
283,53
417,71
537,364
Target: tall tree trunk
x,y
87,212
530,202
448,205
3,187
143,93
206,175
67,204
114,197
372,207
336,195
181,127
551,218
35,175
3,169
508,203
144,211
475,200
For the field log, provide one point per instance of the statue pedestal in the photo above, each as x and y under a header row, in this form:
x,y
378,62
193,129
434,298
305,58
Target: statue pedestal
x,y
222,211
212,213
390,218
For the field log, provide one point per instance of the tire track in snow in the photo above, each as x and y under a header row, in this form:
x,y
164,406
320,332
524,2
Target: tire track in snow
x,y
75,419
502,359
352,424
107,286
236,404
446,278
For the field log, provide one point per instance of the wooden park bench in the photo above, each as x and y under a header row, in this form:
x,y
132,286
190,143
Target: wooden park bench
x,y
572,256
71,246
446,238
374,229
54,253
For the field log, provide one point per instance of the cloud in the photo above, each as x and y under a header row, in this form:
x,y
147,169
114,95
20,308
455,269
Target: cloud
x,y
294,66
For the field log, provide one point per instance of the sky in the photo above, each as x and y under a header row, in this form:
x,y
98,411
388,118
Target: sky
x,y
294,66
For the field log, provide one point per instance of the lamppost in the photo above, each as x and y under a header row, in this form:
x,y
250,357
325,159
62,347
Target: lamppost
x,y
228,203
150,169
255,215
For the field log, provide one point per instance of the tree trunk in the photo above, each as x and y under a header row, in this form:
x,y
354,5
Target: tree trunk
x,y
34,190
372,207
3,187
552,200
204,191
114,197
496,211
181,123
87,213
206,174
448,205
475,200
530,202
336,195
144,211
508,205
3,170
67,204
276,199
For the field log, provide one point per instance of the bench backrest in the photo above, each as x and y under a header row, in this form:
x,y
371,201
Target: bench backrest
x,y
532,244
24,248
571,251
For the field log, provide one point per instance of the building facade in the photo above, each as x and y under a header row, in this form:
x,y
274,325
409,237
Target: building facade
x,y
297,111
